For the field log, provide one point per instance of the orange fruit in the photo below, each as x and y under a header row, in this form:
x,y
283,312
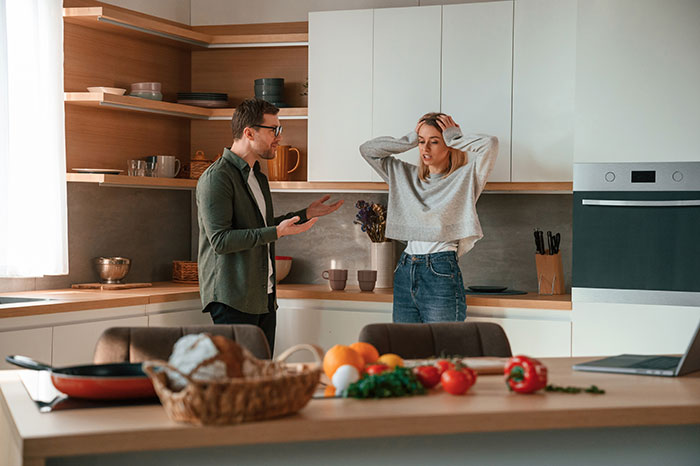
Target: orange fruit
x,y
340,355
368,352
390,359
329,391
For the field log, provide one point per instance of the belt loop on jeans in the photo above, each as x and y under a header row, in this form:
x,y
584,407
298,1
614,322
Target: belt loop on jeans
x,y
427,259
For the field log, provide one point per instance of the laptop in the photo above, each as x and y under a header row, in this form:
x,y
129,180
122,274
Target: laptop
x,y
666,366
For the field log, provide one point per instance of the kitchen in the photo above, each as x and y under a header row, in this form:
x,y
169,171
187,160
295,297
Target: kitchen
x,y
102,219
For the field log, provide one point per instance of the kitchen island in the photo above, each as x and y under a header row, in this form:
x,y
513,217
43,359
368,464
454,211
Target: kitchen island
x,y
639,420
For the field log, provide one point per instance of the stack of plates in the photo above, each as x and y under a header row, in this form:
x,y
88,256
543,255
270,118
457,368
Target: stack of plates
x,y
203,99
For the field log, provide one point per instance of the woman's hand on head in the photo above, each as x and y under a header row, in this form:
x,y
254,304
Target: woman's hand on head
x,y
446,121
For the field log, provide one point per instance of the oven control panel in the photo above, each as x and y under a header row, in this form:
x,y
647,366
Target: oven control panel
x,y
647,176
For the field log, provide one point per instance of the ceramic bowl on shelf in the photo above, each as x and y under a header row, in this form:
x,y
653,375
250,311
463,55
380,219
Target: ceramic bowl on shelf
x,y
283,265
107,90
270,81
147,86
152,95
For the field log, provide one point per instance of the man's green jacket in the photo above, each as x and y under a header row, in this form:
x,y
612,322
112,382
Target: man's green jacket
x,y
233,238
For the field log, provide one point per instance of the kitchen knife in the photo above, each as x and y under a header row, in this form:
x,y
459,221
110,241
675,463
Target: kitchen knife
x,y
540,236
557,240
550,242
537,241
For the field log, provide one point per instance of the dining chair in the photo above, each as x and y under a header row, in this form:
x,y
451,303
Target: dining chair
x,y
417,341
138,344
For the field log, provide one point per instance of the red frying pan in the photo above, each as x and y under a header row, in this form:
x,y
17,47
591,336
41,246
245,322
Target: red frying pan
x,y
95,382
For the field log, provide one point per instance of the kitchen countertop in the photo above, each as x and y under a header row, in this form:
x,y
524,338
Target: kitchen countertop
x,y
385,295
69,300
488,407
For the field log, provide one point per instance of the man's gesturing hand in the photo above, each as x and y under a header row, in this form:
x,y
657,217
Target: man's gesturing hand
x,y
290,227
318,208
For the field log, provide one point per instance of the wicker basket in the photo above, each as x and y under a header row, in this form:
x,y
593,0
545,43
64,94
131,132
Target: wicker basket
x,y
277,390
185,272
198,164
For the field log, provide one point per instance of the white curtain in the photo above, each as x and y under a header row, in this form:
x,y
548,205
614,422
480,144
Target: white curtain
x,y
33,218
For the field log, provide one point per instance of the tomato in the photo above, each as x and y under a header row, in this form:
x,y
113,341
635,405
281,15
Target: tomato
x,y
457,382
376,369
443,365
428,376
471,375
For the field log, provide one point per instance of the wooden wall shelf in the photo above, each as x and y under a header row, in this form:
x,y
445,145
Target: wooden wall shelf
x,y
122,21
295,186
137,104
131,181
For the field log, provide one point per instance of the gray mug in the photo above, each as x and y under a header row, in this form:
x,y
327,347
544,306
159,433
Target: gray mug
x,y
167,166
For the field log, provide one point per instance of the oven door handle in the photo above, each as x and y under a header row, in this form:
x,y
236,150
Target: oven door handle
x,y
619,203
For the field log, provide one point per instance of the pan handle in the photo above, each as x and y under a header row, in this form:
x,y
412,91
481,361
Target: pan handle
x,y
28,363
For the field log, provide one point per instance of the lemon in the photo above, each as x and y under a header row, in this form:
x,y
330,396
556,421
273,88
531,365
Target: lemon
x,y
390,359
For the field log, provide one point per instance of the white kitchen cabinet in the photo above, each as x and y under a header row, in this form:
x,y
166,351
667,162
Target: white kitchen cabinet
x,y
544,67
177,314
34,342
637,75
406,72
75,344
324,323
610,329
179,319
533,332
340,97
477,63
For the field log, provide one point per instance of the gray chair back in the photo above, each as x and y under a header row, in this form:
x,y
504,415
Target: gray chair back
x,y
138,344
417,341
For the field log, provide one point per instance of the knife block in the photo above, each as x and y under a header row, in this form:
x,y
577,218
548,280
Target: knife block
x,y
550,274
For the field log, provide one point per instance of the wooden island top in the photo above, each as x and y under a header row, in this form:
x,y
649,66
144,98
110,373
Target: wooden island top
x,y
488,407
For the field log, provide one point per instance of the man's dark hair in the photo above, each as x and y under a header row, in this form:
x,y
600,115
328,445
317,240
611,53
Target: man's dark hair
x,y
249,113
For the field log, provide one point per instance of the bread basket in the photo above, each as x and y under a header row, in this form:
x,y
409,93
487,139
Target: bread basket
x,y
277,389
185,272
198,164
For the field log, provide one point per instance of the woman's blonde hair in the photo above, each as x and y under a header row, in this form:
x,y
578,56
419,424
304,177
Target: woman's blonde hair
x,y
457,157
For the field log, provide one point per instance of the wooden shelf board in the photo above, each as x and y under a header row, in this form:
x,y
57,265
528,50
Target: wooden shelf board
x,y
132,181
130,23
380,186
124,102
276,186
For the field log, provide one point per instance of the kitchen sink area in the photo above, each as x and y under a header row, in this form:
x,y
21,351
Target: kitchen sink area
x,y
13,300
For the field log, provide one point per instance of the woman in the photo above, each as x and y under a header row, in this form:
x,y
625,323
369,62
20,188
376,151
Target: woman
x,y
433,207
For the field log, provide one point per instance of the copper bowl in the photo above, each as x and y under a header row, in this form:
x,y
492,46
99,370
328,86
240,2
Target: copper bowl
x,y
112,269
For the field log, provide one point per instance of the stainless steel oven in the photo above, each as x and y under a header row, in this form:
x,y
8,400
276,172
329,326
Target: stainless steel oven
x,y
636,233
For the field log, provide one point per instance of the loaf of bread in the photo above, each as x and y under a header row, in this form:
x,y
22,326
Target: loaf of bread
x,y
210,358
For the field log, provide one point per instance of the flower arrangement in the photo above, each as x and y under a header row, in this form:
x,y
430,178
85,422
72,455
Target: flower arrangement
x,y
372,217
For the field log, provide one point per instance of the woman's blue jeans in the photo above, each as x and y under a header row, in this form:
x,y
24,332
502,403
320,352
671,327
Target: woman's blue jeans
x,y
429,288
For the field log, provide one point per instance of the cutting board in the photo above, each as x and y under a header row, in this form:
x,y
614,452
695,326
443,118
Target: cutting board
x,y
110,286
483,366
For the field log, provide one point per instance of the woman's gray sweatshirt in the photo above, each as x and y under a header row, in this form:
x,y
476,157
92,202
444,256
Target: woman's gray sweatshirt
x,y
440,208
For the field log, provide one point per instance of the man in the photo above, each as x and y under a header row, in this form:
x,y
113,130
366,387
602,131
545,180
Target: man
x,y
237,229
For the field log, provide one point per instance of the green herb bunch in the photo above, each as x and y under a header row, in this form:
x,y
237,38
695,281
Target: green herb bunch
x,y
399,382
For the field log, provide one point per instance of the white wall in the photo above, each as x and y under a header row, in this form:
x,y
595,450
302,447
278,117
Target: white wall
x,y
207,12
174,10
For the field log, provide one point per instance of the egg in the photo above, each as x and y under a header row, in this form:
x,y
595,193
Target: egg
x,y
343,377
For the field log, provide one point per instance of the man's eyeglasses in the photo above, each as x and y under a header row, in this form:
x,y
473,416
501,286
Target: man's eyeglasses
x,y
277,129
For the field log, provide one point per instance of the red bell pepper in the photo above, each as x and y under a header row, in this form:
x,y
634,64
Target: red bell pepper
x,y
525,375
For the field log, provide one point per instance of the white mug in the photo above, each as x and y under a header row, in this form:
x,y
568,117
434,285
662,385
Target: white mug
x,y
167,166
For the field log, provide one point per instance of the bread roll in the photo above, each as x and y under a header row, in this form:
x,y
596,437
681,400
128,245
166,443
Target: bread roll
x,y
205,357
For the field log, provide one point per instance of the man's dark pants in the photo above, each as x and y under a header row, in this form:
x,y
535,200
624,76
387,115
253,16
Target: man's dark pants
x,y
223,314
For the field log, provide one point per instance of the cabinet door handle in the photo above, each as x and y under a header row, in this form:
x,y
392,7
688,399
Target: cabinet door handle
x,y
617,203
